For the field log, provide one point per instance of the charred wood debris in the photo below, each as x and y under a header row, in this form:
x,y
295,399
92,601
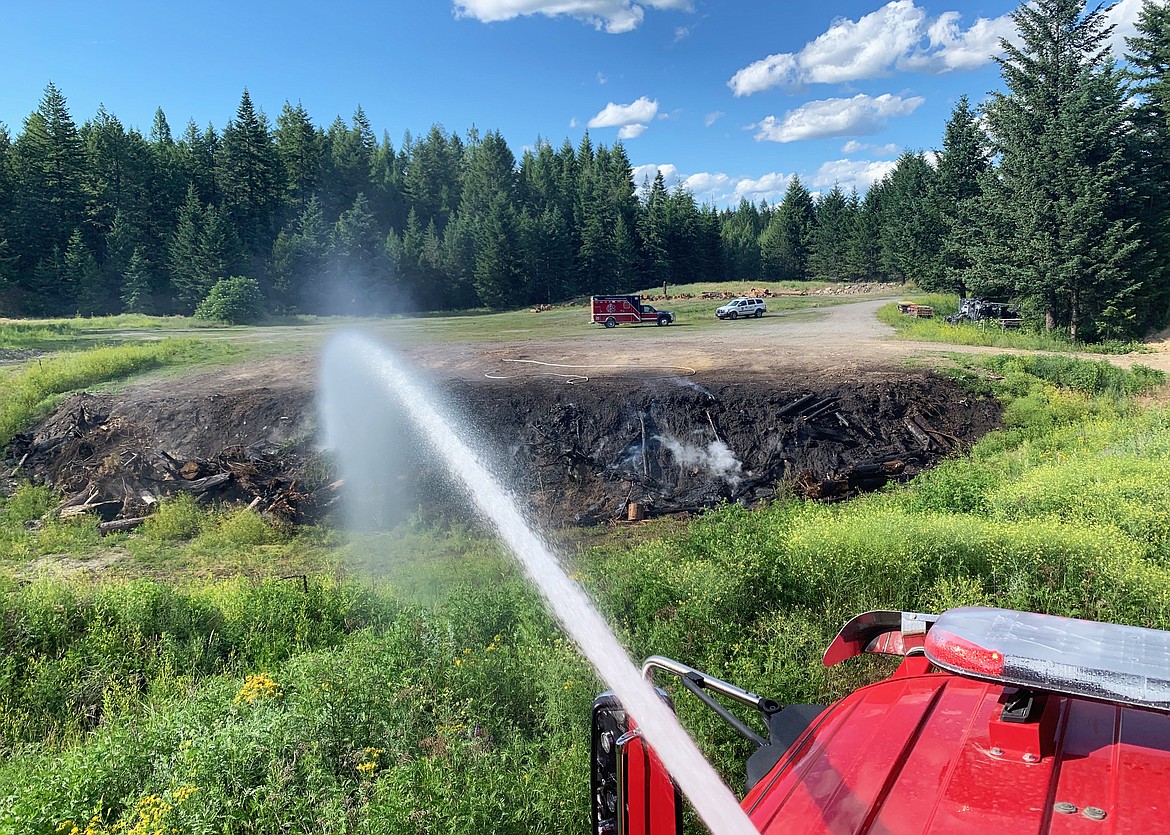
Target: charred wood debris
x,y
605,452
104,466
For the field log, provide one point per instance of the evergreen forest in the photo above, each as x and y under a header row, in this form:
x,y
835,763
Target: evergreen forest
x,y
1053,194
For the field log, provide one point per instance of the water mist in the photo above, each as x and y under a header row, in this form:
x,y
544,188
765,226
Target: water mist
x,y
350,365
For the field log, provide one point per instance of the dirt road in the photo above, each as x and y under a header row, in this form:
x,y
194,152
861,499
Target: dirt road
x,y
838,342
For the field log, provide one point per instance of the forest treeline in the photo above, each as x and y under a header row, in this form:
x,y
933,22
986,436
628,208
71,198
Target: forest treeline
x,y
1055,196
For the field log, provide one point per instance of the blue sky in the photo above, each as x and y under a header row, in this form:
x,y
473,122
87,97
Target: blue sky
x,y
728,97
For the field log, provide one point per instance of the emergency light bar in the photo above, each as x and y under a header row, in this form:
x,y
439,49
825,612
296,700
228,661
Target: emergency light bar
x,y
1126,665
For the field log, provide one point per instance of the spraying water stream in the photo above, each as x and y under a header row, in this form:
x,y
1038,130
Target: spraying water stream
x,y
713,801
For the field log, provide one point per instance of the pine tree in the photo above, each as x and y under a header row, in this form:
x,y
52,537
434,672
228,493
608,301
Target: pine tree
x,y
829,239
9,305
189,282
1060,232
910,226
137,284
220,252
1149,57
457,263
88,296
197,151
300,148
9,302
497,268
784,243
48,165
349,160
654,260
962,168
554,256
739,236
251,178
489,171
625,254
120,244
119,168
387,200
359,267
165,192
49,292
432,176
682,236
863,258
710,258
299,261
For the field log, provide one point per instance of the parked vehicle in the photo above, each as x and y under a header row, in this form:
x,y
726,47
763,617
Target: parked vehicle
x,y
994,721
982,310
612,311
741,308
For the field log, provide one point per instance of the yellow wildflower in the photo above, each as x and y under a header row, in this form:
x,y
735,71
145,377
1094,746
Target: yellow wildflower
x,y
256,687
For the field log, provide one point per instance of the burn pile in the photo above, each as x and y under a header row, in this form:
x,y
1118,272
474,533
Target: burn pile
x,y
584,453
591,452
116,457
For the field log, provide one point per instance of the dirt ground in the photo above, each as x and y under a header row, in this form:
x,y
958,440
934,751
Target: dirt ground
x,y
825,404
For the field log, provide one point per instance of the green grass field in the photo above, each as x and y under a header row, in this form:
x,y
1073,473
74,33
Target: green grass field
x,y
186,678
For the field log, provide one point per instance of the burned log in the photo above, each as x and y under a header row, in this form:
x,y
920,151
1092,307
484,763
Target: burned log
x,y
119,525
105,511
203,485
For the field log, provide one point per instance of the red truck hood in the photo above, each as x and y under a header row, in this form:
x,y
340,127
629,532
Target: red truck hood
x,y
915,755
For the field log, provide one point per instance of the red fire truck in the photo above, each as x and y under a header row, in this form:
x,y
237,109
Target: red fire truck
x,y
612,311
994,721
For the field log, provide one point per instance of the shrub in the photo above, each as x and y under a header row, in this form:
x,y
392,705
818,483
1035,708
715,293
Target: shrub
x,y
1089,377
236,300
178,517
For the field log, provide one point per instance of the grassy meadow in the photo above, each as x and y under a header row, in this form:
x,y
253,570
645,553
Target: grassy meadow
x,y
210,673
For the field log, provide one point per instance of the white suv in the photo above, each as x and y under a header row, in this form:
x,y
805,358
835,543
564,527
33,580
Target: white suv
x,y
738,308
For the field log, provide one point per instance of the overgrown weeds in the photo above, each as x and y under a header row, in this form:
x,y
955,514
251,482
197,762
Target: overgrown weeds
x,y
28,393
432,692
988,333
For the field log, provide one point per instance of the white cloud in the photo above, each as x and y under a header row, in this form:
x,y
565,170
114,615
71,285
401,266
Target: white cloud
x,y
706,186
646,173
712,118
601,79
855,147
953,48
614,16
616,115
573,122
1124,16
681,33
859,116
761,75
849,174
863,49
770,187
631,131
713,187
644,176
896,36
